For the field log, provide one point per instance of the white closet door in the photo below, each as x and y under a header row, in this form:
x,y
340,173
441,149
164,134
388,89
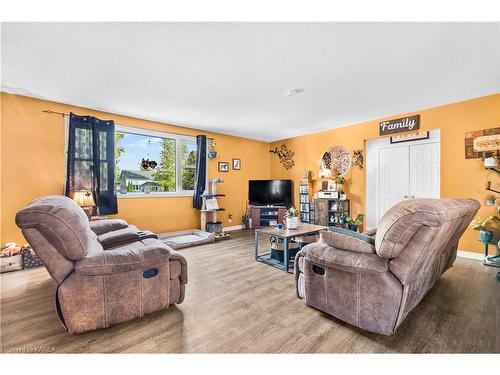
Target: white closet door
x,y
424,171
393,178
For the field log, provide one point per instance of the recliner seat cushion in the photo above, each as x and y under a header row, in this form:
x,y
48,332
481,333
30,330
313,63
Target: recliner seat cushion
x,y
61,221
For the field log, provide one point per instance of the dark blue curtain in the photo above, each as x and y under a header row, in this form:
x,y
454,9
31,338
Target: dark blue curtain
x,y
91,161
201,170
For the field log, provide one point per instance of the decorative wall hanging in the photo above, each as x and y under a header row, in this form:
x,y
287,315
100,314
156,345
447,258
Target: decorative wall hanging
x,y
357,158
147,164
336,161
399,125
285,155
212,153
480,142
236,164
410,137
223,166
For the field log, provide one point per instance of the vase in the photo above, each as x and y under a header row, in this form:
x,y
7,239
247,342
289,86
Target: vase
x,y
485,236
292,222
212,154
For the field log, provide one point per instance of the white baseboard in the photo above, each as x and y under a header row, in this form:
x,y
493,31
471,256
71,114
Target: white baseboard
x,y
234,227
470,255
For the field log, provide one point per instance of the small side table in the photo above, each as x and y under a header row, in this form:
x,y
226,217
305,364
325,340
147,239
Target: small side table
x,y
286,235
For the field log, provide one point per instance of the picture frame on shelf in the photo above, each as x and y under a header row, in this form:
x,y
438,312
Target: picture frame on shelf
x,y
236,164
223,166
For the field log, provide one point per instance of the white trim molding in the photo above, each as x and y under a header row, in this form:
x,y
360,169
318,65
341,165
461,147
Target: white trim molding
x,y
470,255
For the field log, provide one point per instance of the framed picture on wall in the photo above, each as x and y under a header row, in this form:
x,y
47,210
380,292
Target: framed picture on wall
x,y
237,164
223,166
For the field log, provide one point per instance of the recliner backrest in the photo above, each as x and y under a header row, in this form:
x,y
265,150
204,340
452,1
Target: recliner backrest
x,y
61,222
403,221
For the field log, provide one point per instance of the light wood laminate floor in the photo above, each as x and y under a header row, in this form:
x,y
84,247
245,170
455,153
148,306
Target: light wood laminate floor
x,y
235,304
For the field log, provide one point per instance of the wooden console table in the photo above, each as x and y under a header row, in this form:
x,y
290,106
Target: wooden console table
x,y
286,235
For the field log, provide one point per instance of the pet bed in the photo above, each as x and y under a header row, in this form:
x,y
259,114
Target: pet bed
x,y
186,238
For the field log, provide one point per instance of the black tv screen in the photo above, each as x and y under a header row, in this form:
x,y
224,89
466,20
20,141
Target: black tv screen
x,y
270,192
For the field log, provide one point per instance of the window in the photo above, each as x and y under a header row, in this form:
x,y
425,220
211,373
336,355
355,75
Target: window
x,y
174,155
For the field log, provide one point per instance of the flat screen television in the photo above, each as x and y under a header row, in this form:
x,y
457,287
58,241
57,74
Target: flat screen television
x,y
270,192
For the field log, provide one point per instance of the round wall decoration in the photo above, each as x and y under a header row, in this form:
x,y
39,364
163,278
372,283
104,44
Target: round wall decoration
x,y
336,161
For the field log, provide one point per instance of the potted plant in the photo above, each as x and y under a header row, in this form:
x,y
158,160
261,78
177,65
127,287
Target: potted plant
x,y
490,200
340,180
292,218
485,227
353,224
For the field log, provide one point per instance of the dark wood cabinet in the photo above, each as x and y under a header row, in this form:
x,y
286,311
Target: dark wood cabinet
x,y
264,216
331,212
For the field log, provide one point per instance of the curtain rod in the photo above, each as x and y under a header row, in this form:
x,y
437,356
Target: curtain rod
x,y
50,112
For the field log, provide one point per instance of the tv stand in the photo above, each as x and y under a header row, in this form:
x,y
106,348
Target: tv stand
x,y
265,216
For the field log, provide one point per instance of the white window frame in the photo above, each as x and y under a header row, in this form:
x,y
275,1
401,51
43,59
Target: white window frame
x,y
179,139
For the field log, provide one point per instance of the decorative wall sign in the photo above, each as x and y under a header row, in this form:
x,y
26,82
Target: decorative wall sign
x,y
285,155
223,166
479,142
336,161
410,137
357,158
399,125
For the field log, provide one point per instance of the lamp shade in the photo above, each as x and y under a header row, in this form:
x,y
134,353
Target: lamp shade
x,y
83,198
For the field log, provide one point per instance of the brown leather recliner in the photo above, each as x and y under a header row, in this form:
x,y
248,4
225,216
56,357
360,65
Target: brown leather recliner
x,y
133,274
375,287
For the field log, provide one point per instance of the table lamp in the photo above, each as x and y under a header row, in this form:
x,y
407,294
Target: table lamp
x,y
85,200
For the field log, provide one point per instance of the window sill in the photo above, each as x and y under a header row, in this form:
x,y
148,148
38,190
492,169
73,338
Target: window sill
x,y
154,195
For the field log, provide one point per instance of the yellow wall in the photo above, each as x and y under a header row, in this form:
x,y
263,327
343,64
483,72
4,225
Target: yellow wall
x,y
459,177
32,165
32,162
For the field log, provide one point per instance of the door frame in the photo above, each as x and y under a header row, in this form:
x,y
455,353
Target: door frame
x,y
373,147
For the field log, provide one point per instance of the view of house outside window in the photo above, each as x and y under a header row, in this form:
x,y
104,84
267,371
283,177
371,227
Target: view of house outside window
x,y
175,160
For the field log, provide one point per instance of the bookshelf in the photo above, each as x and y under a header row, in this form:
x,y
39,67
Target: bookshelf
x,y
305,206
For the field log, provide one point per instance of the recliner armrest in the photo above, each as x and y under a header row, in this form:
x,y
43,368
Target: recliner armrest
x,y
355,262
118,237
175,255
345,242
135,255
103,226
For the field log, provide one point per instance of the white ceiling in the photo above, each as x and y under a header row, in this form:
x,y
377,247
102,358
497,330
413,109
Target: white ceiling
x,y
233,77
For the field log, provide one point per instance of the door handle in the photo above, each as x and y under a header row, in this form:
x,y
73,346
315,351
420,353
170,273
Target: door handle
x,y
405,196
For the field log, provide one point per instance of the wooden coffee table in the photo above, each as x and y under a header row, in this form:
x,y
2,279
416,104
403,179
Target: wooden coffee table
x,y
286,235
